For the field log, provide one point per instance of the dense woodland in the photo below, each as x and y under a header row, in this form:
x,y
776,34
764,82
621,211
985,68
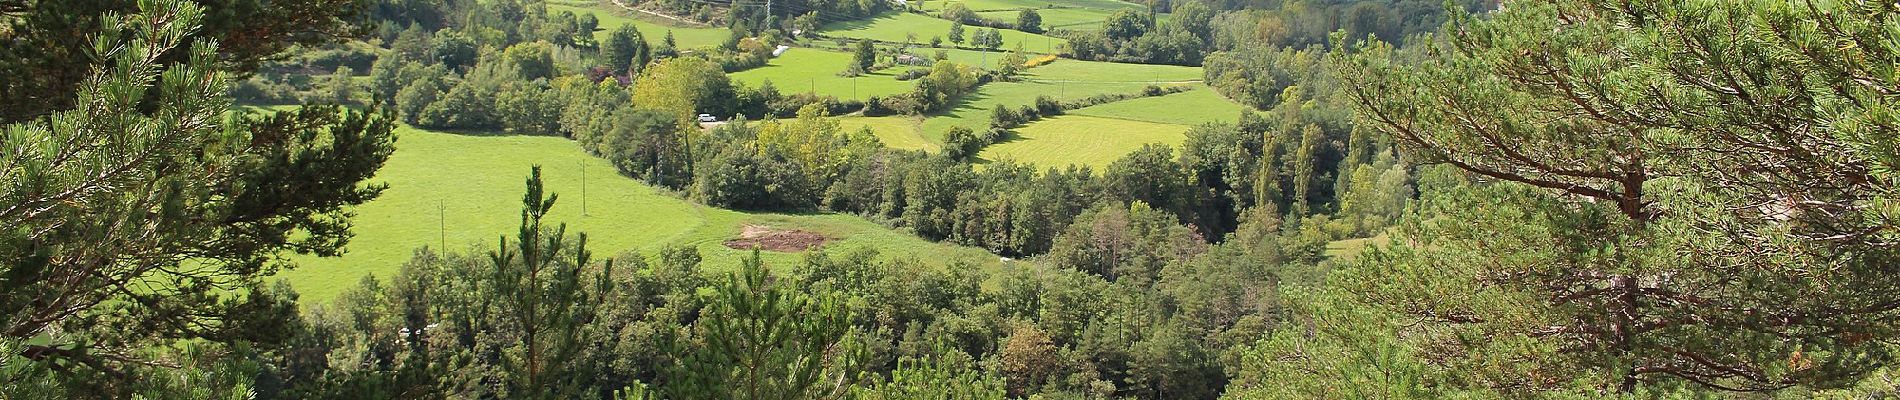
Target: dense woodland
x,y
1565,199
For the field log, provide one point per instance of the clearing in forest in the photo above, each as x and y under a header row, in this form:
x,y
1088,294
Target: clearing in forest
x,y
465,191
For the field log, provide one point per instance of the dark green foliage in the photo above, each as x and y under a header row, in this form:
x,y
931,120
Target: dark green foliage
x,y
961,143
184,201
1028,20
626,51
863,57
542,295
49,48
1620,249
761,339
647,144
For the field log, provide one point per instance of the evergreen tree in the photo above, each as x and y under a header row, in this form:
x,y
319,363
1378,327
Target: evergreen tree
x,y
540,285
48,52
192,206
762,339
626,50
1688,194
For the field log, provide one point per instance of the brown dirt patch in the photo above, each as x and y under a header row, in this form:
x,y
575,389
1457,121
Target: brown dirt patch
x,y
754,236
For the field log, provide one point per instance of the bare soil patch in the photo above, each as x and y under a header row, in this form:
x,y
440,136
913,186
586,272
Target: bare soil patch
x,y
754,236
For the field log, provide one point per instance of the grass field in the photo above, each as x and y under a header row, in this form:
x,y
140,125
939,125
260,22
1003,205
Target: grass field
x,y
894,25
687,37
897,131
991,5
1193,107
1081,140
1065,14
478,182
974,58
1352,247
1062,80
802,70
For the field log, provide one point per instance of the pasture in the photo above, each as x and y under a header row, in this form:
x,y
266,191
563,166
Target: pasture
x,y
1081,140
1193,107
465,191
893,26
686,37
1062,80
804,69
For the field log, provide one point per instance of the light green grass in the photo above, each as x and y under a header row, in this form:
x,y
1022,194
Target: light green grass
x,y
1081,15
1081,19
686,37
989,5
974,58
896,131
478,181
1193,107
1062,80
1081,140
1348,248
893,26
802,70
1098,71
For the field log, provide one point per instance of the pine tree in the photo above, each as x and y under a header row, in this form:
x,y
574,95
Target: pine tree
x,y
542,285
1690,193
149,213
762,339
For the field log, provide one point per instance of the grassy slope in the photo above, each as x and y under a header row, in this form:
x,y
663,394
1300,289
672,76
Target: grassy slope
x,y
1081,140
479,181
1066,14
1194,107
894,25
802,70
684,36
1348,248
896,131
1063,80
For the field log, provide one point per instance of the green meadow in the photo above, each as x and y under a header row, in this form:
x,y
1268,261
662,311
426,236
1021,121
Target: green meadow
x,y
686,37
465,191
1193,107
803,70
893,26
1081,140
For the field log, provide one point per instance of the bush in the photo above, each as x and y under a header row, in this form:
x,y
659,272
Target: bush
x,y
1048,106
961,143
913,74
258,90
1101,99
741,178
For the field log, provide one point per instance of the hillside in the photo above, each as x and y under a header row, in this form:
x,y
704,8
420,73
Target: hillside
x,y
465,189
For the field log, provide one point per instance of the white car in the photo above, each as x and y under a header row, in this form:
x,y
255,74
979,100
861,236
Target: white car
x,y
707,118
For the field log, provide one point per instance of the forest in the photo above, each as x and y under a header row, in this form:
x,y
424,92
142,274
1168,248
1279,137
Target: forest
x,y
1166,199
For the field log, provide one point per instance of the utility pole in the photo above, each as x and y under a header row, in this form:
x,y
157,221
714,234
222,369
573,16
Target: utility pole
x,y
854,87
